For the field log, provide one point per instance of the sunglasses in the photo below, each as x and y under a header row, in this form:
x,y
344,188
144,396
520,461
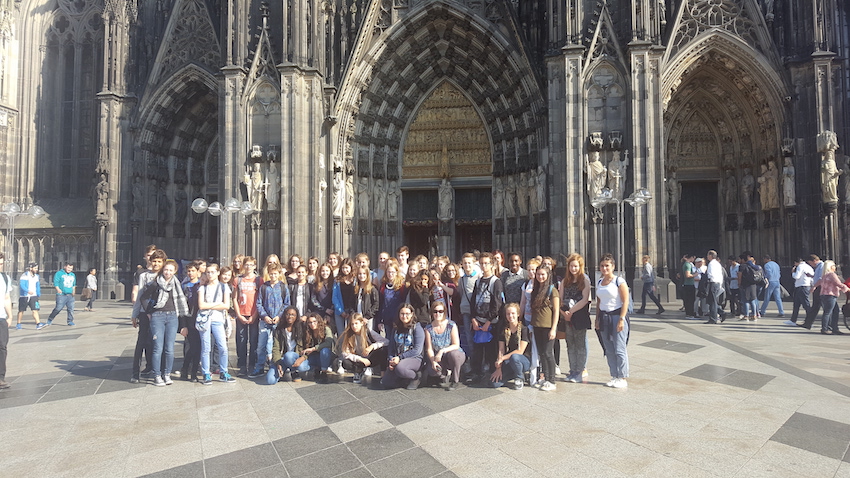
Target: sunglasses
x,y
439,311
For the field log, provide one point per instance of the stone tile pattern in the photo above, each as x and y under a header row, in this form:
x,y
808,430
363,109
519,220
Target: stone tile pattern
x,y
729,376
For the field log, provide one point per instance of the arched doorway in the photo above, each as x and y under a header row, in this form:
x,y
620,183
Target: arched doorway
x,y
446,177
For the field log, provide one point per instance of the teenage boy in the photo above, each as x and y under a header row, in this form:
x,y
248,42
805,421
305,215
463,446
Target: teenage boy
x,y
402,254
30,292
141,320
64,281
467,285
5,315
247,327
271,302
486,305
192,341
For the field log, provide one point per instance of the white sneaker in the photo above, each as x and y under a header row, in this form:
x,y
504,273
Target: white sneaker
x,y
611,382
368,372
518,383
557,371
620,383
158,381
788,322
584,375
547,386
340,370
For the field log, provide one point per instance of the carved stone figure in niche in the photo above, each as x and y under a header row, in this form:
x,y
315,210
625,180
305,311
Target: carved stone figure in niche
x,y
101,193
662,12
829,174
380,199
363,198
181,205
730,192
541,189
769,186
748,184
138,200
323,186
349,195
498,198
446,193
271,156
674,193
338,193
256,152
164,203
273,191
846,179
762,188
789,191
510,196
617,175
392,200
596,175
256,184
522,194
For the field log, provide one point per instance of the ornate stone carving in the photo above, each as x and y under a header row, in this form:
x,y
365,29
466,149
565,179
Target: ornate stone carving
x,y
674,193
617,174
768,186
789,185
522,191
498,197
699,16
138,193
256,184
363,198
393,195
338,194
446,200
191,38
730,192
273,180
747,189
827,145
510,196
380,199
101,196
596,175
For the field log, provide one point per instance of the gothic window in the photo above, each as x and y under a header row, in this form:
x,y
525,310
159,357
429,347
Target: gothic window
x,y
265,116
606,100
68,126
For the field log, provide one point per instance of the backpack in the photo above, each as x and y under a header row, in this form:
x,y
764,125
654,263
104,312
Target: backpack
x,y
150,296
753,275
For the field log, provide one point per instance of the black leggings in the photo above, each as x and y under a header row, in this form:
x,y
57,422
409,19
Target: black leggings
x,y
546,352
378,358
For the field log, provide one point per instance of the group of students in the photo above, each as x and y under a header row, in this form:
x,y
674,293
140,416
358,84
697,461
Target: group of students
x,y
409,322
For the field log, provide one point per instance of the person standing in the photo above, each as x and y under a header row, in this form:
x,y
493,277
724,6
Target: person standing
x,y
688,290
802,275
64,281
714,274
773,289
213,304
734,288
247,328
30,285
140,318
575,310
647,276
700,303
749,272
612,322
830,288
486,304
466,286
545,310
5,315
170,305
513,278
91,284
817,265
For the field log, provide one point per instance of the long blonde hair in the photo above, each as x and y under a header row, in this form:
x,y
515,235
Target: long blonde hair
x,y
578,279
347,341
367,284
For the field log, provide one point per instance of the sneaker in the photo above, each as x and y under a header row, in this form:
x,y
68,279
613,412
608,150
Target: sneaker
x,y
611,382
414,384
256,373
226,377
177,374
296,377
49,323
158,381
287,377
4,385
584,375
243,372
620,383
789,322
547,387
557,371
134,379
71,324
19,326
660,311
340,370
368,372
572,378
518,383
146,372
207,379
168,380
357,376
40,325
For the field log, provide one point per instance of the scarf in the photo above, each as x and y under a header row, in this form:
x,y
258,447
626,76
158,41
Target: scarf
x,y
166,288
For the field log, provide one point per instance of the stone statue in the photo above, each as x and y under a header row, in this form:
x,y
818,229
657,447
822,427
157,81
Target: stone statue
x,y
164,203
764,196
446,200
363,198
846,174
323,186
829,174
138,200
101,193
674,193
498,198
596,175
392,200
380,199
256,152
510,196
541,189
789,190
181,205
772,185
768,10
338,194
522,194
532,193
349,195
273,186
748,184
662,12
616,175
730,192
256,184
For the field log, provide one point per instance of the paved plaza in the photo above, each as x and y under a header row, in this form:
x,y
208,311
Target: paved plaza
x,y
741,399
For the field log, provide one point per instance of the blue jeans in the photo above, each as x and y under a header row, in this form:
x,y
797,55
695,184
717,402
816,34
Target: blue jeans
x,y
514,367
751,307
246,345
466,334
286,362
320,360
265,342
63,301
163,333
773,293
614,344
216,329
829,319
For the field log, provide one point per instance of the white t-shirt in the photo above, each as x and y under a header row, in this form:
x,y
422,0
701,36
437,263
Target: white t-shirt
x,y
215,293
5,289
609,295
290,340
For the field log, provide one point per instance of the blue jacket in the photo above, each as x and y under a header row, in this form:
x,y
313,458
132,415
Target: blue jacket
x,y
272,300
26,278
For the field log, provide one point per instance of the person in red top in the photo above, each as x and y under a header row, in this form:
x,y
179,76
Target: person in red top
x,y
247,329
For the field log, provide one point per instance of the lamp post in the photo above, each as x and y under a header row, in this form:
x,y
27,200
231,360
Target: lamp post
x,y
12,211
216,209
636,199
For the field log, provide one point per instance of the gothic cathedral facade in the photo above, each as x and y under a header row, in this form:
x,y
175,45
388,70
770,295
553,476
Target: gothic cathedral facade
x,y
537,126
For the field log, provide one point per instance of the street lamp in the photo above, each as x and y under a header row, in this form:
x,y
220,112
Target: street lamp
x,y
635,199
216,209
12,211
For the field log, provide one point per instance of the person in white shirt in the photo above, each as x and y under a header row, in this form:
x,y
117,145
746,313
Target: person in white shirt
x,y
5,315
91,283
803,276
30,285
700,303
714,274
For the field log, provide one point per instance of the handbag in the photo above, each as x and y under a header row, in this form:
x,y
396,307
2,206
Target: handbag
x,y
482,337
86,294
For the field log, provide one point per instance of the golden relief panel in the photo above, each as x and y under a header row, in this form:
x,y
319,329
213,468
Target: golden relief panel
x,y
447,138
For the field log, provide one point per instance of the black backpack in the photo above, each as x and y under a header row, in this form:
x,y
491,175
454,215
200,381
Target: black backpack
x,y
149,297
753,275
